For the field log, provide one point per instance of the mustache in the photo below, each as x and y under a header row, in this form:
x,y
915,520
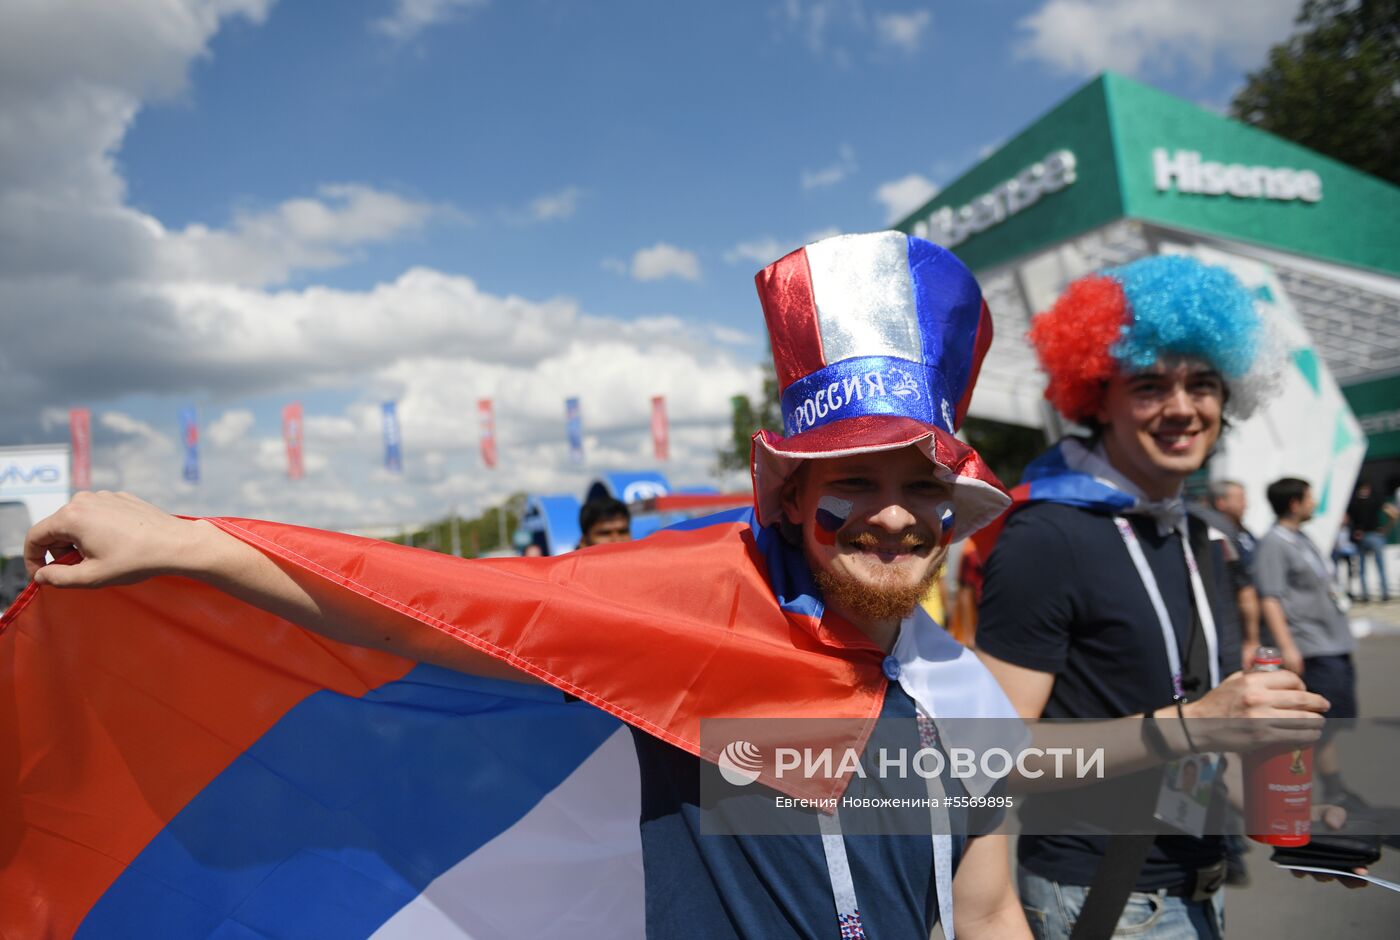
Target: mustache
x,y
909,542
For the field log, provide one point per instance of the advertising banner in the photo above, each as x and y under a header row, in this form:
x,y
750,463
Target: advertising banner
x,y
80,433
189,436
393,448
660,428
291,436
573,422
486,418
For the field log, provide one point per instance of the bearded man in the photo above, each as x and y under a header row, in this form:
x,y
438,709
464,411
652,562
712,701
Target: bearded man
x,y
804,605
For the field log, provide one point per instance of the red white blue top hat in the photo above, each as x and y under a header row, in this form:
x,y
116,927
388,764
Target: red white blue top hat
x,y
877,340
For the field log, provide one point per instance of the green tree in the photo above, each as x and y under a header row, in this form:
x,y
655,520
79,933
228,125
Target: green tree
x,y
1334,86
750,416
476,536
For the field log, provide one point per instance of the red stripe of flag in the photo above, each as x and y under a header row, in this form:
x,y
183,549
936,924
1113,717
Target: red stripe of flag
x,y
790,308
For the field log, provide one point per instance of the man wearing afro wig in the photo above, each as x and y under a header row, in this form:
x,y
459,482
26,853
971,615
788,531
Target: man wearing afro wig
x,y
1103,601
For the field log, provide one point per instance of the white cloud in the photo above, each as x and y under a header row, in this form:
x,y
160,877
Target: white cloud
x,y
813,19
560,205
410,17
903,30
1142,36
664,260
830,175
300,234
902,196
760,251
230,427
102,304
764,251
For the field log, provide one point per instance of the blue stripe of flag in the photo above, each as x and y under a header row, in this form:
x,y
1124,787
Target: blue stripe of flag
x,y
347,808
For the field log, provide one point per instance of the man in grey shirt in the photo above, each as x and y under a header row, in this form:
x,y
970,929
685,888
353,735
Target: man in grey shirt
x,y
1300,610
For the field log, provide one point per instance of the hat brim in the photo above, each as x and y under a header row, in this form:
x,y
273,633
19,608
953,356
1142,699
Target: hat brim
x,y
978,496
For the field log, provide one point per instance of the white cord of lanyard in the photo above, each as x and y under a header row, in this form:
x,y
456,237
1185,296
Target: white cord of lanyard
x,y
838,866
1199,601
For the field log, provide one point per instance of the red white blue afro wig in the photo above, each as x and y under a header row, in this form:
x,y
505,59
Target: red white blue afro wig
x,y
1127,318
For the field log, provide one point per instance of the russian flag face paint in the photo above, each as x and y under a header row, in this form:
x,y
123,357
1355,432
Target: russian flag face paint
x,y
832,513
944,511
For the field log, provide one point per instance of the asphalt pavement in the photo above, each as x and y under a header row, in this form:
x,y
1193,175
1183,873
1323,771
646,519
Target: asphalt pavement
x,y
1275,904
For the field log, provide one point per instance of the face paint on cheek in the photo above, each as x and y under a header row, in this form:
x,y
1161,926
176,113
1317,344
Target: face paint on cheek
x,y
832,513
944,511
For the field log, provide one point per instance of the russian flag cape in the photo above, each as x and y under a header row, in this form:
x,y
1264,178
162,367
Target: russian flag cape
x,y
174,762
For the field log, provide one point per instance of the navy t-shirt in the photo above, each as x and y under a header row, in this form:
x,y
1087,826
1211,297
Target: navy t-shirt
x,y
1062,596
702,884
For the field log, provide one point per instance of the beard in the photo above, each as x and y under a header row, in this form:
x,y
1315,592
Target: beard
x,y
884,600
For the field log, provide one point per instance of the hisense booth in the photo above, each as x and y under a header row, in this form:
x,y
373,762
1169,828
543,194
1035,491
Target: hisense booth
x,y
1120,170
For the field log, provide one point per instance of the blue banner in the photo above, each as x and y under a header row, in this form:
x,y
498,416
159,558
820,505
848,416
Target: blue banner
x,y
573,420
393,450
189,436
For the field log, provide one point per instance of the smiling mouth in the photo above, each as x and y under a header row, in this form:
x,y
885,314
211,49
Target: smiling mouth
x,y
1175,442
906,547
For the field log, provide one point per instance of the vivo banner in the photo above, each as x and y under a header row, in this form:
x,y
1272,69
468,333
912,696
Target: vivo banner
x,y
573,422
189,435
80,434
660,429
291,436
486,418
393,449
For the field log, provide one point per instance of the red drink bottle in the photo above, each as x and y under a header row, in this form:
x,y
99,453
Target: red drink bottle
x,y
1277,782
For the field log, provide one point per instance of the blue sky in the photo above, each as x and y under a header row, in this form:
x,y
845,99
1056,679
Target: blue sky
x,y
241,202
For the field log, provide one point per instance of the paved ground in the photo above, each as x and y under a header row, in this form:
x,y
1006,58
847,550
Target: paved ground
x,y
1276,904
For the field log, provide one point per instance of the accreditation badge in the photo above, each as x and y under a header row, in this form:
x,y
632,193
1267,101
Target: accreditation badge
x,y
1188,785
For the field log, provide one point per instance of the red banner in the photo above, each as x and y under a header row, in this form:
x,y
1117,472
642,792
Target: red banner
x,y
660,428
486,416
291,436
80,430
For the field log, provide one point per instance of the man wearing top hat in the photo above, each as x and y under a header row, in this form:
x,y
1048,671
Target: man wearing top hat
x,y
877,340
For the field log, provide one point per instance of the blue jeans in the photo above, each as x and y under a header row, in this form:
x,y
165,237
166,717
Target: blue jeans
x,y
1052,908
1373,544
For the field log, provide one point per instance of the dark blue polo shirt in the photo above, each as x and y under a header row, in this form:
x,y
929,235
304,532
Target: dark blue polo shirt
x,y
1062,596
701,884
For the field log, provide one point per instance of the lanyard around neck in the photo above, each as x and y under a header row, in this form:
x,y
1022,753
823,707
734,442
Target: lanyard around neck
x,y
1198,597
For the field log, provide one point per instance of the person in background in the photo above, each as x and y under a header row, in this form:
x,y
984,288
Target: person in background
x,y
1224,511
935,602
1372,518
1301,612
604,520
969,594
1344,557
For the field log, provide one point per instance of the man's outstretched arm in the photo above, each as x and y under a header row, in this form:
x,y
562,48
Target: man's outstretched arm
x,y
122,540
